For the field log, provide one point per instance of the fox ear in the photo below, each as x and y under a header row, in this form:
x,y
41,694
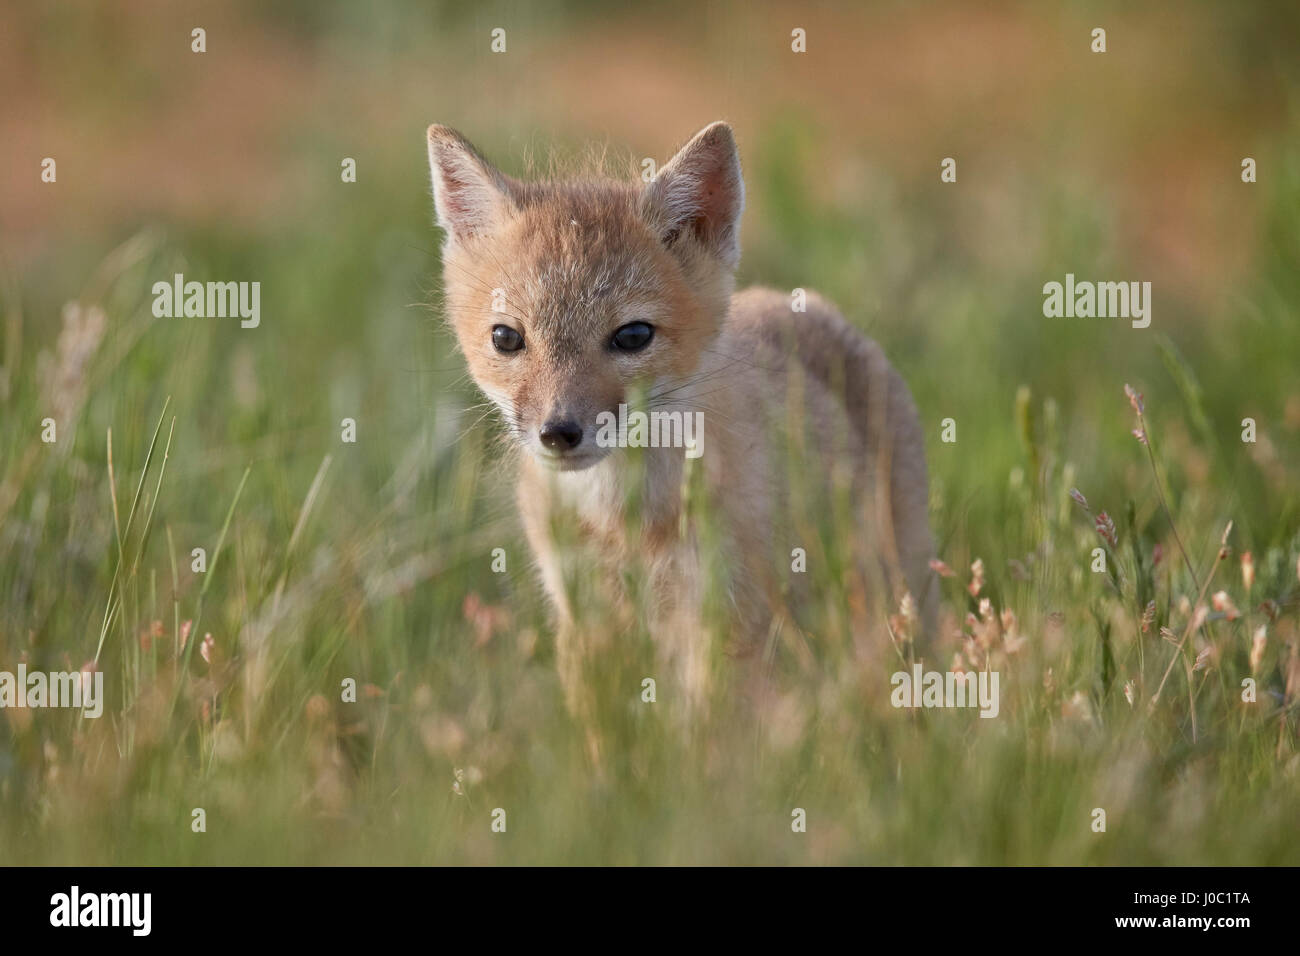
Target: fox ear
x,y
700,193
470,195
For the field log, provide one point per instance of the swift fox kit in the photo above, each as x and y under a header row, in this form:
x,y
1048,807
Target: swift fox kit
x,y
569,297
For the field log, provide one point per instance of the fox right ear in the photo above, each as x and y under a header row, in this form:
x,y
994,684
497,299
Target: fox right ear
x,y
470,195
701,192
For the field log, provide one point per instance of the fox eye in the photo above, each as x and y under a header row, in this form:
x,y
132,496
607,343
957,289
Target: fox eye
x,y
634,336
506,339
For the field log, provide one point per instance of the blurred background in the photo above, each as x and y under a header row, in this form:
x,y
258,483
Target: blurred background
x,y
368,560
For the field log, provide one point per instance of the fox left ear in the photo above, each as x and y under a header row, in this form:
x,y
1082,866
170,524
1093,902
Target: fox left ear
x,y
470,195
700,194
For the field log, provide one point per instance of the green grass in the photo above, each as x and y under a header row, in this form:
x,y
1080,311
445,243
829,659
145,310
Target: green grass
x,y
328,561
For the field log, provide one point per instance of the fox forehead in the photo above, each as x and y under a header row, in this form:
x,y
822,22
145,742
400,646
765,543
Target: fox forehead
x,y
570,249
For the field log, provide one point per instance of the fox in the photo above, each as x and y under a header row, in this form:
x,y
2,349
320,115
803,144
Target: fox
x,y
569,297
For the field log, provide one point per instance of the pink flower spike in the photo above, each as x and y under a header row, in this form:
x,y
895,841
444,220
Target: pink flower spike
x,y
1106,528
941,569
205,649
1224,604
1134,398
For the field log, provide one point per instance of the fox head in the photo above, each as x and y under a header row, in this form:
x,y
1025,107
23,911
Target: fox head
x,y
566,295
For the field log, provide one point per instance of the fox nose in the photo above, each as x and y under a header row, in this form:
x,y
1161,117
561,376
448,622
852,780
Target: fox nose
x,y
561,435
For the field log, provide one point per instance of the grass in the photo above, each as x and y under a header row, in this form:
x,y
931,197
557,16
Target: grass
x,y
371,561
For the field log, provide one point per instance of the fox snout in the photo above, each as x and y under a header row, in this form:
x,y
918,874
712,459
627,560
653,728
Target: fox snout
x,y
560,434
565,438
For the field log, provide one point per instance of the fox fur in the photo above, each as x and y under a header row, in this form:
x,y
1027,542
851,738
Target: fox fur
x,y
565,265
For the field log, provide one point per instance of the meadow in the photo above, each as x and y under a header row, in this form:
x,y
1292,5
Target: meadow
x,y
327,561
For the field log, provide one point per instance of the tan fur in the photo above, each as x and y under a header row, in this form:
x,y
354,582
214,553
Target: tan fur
x,y
569,263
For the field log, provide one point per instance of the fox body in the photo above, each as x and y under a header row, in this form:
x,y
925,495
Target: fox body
x,y
568,298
